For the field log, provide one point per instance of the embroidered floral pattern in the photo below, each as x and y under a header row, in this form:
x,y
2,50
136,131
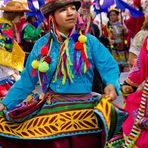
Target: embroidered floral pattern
x,y
6,37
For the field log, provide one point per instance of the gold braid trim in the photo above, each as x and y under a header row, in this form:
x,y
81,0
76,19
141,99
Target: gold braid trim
x,y
131,82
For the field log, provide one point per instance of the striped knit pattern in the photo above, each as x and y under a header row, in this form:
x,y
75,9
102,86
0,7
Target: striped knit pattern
x,y
135,132
53,97
55,120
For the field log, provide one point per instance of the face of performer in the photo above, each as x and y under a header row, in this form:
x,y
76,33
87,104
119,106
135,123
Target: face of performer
x,y
113,16
66,18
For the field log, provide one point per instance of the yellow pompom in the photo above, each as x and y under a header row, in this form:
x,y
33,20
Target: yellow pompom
x,y
82,39
35,64
43,67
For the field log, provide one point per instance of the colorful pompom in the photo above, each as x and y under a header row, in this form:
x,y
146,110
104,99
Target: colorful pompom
x,y
48,60
78,46
82,39
44,50
43,67
35,64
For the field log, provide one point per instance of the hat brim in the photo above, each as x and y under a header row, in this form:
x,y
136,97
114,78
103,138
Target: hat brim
x,y
48,8
14,10
113,10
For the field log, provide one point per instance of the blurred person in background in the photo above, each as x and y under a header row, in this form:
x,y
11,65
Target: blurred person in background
x,y
30,34
137,22
11,54
116,33
137,42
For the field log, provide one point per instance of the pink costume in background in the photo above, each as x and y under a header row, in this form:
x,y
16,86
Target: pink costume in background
x,y
138,74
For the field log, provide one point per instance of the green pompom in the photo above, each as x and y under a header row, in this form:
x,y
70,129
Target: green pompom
x,y
43,67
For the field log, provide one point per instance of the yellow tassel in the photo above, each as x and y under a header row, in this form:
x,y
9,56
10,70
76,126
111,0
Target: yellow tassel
x,y
85,68
84,45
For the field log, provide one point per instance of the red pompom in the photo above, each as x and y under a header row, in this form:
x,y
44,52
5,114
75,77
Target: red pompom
x,y
78,46
44,50
48,60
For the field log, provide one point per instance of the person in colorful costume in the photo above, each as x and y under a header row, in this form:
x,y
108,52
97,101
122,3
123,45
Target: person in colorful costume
x,y
137,22
136,125
30,34
116,32
137,42
11,55
62,61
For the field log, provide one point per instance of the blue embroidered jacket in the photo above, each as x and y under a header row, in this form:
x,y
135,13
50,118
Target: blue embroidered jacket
x,y
98,56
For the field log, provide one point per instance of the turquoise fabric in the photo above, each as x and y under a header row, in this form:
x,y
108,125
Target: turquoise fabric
x,y
98,56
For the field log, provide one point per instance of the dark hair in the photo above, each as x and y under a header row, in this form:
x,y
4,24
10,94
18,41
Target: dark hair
x,y
29,19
